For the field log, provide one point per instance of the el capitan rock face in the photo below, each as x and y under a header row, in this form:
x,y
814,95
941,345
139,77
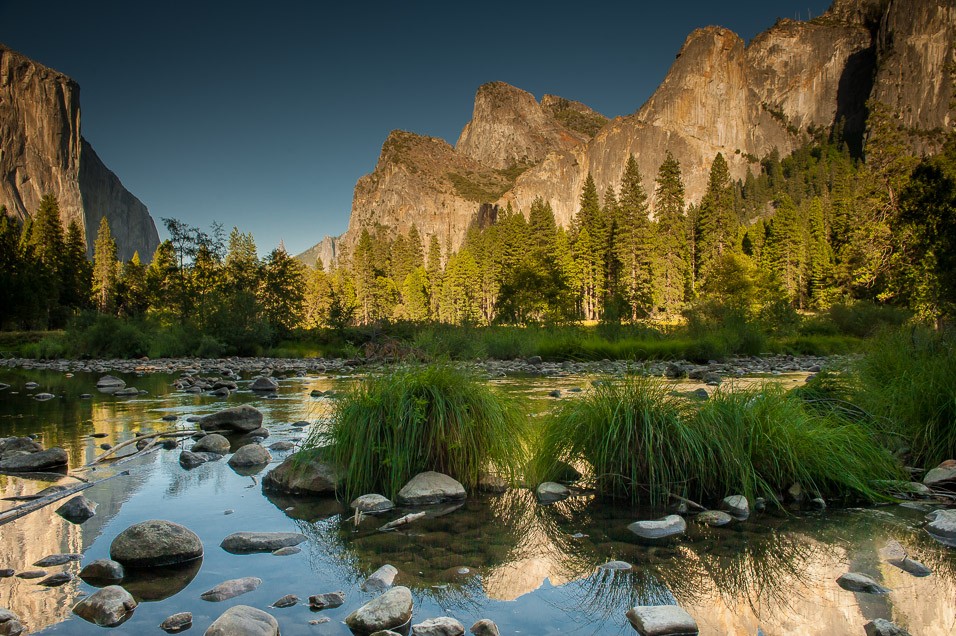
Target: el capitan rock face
x,y
43,152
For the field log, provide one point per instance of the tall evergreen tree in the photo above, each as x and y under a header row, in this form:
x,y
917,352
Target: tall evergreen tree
x,y
819,257
637,246
786,249
77,270
131,293
716,223
434,270
590,239
672,236
105,269
282,291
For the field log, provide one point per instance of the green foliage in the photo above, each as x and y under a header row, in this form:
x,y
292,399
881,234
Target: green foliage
x,y
588,123
480,187
864,319
389,428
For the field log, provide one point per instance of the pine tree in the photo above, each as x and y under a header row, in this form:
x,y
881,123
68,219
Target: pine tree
x,y
672,238
282,291
637,246
161,278
77,270
434,270
786,249
132,297
588,249
318,297
716,223
819,257
105,269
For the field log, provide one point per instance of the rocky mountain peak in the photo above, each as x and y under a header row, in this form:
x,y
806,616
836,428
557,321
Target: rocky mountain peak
x,y
510,128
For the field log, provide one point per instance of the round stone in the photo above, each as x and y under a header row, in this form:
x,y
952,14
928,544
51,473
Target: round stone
x,y
155,543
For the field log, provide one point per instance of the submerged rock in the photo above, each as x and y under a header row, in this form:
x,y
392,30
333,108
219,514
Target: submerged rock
x,y
177,623
662,620
714,518
102,570
107,607
56,580
57,559
242,418
242,620
231,589
485,627
550,492
430,488
248,542
666,528
298,476
34,462
286,601
381,579
857,582
372,503
442,626
391,609
328,600
77,509
155,543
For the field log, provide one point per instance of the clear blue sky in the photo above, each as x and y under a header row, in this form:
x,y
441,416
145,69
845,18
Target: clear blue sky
x,y
263,115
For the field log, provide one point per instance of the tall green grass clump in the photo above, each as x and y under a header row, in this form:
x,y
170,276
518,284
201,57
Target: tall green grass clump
x,y
764,440
389,428
906,382
633,437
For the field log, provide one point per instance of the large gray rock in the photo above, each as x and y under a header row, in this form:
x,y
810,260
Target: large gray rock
x,y
249,542
242,620
107,607
857,582
391,609
737,506
190,460
77,509
943,527
212,443
231,589
942,477
10,624
35,462
242,418
659,529
264,384
300,476
17,445
662,620
883,627
714,518
176,623
381,579
430,488
372,503
110,382
550,492
250,455
441,626
155,543
329,600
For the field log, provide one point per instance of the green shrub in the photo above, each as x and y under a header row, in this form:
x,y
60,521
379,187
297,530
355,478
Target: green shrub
x,y
389,428
634,439
865,319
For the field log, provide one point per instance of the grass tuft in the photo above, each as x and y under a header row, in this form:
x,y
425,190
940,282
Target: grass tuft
x,y
389,428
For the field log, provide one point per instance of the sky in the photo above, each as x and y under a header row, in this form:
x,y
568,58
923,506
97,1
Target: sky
x,y
263,115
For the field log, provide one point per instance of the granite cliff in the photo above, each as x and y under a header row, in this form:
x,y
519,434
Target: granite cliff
x,y
43,152
720,95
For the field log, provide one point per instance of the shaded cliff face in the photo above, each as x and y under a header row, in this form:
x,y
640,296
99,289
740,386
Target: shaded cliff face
x,y
44,153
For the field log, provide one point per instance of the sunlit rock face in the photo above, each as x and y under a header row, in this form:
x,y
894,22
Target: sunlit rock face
x,y
721,95
44,153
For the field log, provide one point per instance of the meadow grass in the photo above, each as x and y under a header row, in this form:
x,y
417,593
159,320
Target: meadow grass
x,y
388,428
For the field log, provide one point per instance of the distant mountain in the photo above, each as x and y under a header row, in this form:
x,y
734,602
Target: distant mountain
x,y
43,152
721,95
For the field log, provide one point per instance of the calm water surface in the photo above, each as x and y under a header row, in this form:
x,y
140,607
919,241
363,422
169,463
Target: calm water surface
x,y
531,569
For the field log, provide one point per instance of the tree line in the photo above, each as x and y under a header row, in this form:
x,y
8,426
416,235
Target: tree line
x,y
800,233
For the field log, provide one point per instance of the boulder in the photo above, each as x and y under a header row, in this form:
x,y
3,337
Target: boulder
x,y
381,579
107,607
242,419
660,529
250,455
297,477
943,527
231,589
372,503
10,624
442,626
189,459
102,570
550,492
737,506
57,559
249,542
430,488
942,477
177,623
17,445
485,627
35,462
77,509
391,609
883,627
281,446
856,582
110,382
155,543
56,580
286,601
212,443
714,518
242,620
263,384
662,620
328,600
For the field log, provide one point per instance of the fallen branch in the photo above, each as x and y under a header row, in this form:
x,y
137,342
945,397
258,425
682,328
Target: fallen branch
x,y
690,504
24,509
128,442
